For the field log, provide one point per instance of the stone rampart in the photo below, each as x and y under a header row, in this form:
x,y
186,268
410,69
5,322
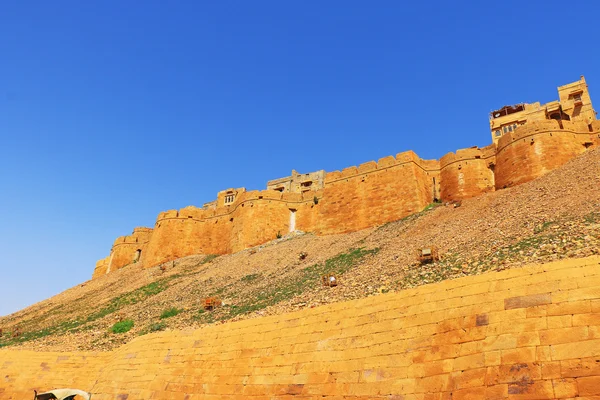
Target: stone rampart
x,y
101,267
375,193
527,333
358,197
468,173
536,148
129,249
254,218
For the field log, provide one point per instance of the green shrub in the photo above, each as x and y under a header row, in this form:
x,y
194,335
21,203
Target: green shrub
x,y
122,326
157,326
170,312
250,277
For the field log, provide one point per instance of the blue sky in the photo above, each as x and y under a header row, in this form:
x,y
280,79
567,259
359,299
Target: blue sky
x,y
113,111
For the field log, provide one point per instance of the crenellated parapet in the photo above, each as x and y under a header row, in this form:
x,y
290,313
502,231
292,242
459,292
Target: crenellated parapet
x,y
376,192
253,217
538,147
404,159
140,235
125,250
467,173
529,140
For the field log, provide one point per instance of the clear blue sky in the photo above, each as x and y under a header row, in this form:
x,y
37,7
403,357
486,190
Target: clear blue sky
x,y
113,111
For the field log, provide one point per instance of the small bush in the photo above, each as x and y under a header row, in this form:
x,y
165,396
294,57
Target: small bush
x,y
157,326
250,277
122,327
170,312
278,235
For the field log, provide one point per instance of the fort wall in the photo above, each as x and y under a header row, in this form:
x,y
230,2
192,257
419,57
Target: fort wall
x,y
129,249
101,267
526,144
468,173
526,333
264,215
374,193
536,148
355,198
254,217
190,230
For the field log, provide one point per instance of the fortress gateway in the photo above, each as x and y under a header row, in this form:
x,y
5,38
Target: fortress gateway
x,y
528,141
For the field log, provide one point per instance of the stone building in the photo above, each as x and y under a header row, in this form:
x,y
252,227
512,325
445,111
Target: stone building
x,y
574,104
528,141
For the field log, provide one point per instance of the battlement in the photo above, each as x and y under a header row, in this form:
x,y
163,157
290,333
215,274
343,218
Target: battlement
x,y
142,230
381,164
550,127
538,138
191,212
139,235
471,153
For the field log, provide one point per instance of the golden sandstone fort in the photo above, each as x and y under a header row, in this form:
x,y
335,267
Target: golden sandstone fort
x,y
520,334
528,140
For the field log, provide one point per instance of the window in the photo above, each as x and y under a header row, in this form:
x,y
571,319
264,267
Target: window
x,y
498,133
510,128
514,126
577,97
505,129
229,198
306,184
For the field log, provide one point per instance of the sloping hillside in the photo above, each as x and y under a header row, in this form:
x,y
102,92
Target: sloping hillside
x,y
556,216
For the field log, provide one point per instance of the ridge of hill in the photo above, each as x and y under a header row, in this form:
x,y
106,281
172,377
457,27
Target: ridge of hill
x,y
555,216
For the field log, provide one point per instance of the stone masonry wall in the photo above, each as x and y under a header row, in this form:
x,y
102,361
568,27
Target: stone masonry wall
x,y
374,193
26,371
527,333
468,173
256,217
536,148
101,267
125,247
188,231
357,197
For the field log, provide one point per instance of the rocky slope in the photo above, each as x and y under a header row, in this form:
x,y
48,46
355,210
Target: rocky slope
x,y
555,216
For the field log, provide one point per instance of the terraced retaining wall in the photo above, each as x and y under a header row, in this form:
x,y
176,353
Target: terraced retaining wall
x,y
529,333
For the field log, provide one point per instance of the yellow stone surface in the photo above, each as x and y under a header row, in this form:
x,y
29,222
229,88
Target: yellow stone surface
x,y
516,334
